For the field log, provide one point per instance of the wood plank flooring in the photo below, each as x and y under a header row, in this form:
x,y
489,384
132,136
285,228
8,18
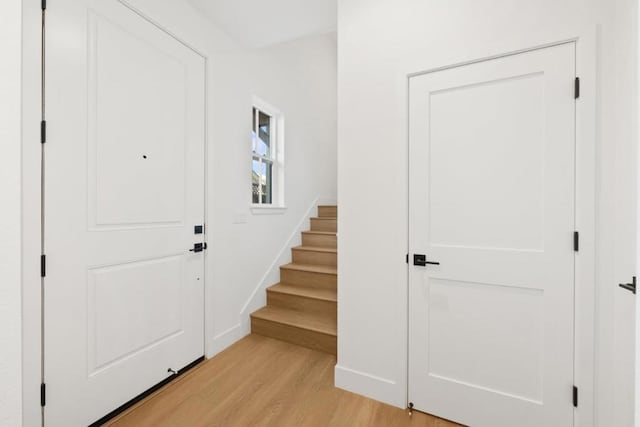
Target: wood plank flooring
x,y
261,381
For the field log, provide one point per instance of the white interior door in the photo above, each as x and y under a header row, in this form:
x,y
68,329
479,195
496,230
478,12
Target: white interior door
x,y
124,190
492,148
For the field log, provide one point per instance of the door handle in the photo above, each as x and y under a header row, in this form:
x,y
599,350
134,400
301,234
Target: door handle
x,y
198,247
421,260
629,286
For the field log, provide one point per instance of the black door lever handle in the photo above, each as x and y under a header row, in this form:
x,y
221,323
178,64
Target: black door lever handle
x,y
198,247
421,260
629,286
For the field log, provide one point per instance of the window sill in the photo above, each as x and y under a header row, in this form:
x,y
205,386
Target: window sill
x,y
267,210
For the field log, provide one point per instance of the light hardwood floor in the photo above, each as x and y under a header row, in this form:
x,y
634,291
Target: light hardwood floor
x,y
261,381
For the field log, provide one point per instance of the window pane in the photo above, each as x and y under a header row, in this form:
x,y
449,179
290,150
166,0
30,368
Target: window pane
x,y
261,182
262,135
267,183
254,138
256,174
263,140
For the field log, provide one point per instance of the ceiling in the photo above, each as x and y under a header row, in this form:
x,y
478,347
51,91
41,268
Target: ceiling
x,y
259,23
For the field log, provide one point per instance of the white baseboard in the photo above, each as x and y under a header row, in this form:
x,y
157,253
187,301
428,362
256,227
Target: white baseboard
x,y
380,389
221,341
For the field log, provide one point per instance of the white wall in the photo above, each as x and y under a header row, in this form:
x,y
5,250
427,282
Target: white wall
x,y
10,181
380,42
298,78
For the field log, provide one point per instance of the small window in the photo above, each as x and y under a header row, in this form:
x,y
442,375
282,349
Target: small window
x,y
267,165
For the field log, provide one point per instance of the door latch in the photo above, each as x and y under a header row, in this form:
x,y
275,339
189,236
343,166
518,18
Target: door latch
x,y
421,260
629,286
198,247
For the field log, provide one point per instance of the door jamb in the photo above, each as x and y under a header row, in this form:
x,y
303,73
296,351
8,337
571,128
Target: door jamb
x,y
585,220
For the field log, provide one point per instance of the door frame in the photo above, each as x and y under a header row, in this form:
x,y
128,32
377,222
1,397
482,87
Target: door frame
x,y
32,350
585,220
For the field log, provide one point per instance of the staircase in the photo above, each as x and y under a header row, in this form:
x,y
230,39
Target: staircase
x,y
302,308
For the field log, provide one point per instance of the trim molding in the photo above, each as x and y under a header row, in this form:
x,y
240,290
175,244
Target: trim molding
x,y
225,339
374,387
588,363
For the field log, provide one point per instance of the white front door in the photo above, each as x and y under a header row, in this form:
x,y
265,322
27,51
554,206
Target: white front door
x,y
124,188
492,148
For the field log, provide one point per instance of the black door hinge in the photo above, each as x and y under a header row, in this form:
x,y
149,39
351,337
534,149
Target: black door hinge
x,y
43,265
630,286
576,91
575,396
43,4
576,241
407,258
43,131
43,394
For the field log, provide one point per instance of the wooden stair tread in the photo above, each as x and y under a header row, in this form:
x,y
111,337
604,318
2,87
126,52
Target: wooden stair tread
x,y
311,268
324,233
315,249
307,292
302,307
327,211
298,319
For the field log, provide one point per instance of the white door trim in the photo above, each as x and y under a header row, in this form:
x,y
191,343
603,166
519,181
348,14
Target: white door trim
x,y
585,260
31,206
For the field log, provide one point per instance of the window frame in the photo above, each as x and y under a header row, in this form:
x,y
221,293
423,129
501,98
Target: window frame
x,y
275,157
